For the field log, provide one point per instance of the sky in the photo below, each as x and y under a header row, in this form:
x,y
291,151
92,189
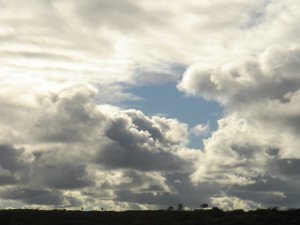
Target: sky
x,y
145,104
166,100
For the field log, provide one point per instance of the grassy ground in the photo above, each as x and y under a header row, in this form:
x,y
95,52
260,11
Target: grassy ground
x,y
201,217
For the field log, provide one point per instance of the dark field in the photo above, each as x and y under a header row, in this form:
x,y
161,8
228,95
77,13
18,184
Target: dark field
x,y
201,217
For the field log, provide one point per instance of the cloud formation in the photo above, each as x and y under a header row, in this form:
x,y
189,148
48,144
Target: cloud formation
x,y
105,42
66,139
76,146
254,153
256,142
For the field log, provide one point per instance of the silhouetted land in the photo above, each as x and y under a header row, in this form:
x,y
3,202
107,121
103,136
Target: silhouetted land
x,y
161,217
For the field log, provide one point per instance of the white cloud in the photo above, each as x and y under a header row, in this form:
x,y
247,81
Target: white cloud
x,y
231,203
104,42
272,75
257,138
255,148
200,130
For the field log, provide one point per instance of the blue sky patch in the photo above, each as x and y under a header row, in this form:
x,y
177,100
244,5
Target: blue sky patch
x,y
165,99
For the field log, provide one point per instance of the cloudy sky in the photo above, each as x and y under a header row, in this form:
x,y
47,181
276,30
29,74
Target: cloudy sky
x,y
130,104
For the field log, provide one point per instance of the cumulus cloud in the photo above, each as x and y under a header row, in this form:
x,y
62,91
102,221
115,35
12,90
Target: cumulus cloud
x,y
257,138
272,75
76,147
254,152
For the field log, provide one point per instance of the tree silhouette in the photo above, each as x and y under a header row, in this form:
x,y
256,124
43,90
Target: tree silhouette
x,y
204,205
180,207
170,208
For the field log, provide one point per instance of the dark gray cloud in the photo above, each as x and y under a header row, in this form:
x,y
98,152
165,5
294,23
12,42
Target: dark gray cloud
x,y
137,142
7,179
12,159
288,167
268,191
145,124
14,165
138,157
31,196
40,197
182,190
63,176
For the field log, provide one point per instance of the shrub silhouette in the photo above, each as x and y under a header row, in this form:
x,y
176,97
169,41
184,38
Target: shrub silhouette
x,y
156,217
216,209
